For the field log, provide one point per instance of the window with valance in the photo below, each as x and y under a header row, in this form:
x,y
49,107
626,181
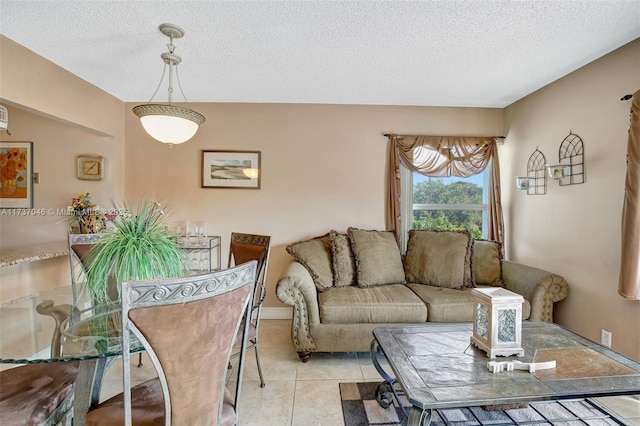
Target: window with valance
x,y
442,156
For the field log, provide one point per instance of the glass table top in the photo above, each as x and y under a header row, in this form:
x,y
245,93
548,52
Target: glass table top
x,y
26,335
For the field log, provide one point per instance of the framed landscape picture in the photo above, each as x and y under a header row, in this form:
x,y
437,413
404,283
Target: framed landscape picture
x,y
16,175
231,169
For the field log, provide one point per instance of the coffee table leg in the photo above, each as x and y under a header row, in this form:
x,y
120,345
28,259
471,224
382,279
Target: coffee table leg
x,y
374,359
419,417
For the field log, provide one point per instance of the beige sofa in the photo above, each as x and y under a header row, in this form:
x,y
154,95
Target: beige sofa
x,y
342,286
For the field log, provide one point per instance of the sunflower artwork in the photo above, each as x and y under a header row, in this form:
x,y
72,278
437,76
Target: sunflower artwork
x,y
15,174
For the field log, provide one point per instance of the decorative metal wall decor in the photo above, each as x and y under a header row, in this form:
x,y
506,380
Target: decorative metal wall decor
x,y
571,170
536,180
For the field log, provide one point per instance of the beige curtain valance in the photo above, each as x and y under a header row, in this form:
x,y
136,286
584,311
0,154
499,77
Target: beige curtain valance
x,y
444,156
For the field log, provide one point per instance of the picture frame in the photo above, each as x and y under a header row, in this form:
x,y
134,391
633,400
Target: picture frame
x,y
16,175
231,169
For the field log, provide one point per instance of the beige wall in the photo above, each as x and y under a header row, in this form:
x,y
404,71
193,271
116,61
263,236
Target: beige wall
x,y
34,83
575,230
55,147
323,167
63,116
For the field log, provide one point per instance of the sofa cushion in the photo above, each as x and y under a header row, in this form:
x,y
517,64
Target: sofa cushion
x,y
344,266
393,303
315,255
486,263
377,257
451,305
439,258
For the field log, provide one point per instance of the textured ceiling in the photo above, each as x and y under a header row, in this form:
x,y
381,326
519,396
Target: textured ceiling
x,y
440,53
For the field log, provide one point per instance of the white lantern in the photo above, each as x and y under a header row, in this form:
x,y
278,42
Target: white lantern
x,y
497,323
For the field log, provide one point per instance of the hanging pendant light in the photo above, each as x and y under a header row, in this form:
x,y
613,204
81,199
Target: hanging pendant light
x,y
167,123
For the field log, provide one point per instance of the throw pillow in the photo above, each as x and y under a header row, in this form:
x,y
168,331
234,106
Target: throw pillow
x,y
344,266
439,258
315,255
486,263
377,257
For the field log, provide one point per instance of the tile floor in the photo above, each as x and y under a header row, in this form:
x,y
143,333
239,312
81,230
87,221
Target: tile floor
x,y
305,394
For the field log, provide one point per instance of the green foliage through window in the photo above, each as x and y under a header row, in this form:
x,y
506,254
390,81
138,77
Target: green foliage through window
x,y
435,192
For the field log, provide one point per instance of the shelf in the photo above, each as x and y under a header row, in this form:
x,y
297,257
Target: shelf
x,y
201,254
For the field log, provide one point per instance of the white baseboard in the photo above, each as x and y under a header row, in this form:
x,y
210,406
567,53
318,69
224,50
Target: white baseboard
x,y
277,313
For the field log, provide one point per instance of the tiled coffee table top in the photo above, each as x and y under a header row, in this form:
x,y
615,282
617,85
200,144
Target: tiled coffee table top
x,y
438,368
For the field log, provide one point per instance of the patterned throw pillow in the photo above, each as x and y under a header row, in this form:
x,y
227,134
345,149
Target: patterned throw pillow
x,y
315,255
344,266
377,257
439,258
486,263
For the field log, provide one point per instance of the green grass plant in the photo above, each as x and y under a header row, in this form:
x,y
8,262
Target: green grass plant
x,y
140,248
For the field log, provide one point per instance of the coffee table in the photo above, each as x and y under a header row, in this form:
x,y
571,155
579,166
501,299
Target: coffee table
x,y
437,367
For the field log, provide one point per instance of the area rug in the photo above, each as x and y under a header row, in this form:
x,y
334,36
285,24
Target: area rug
x,y
360,408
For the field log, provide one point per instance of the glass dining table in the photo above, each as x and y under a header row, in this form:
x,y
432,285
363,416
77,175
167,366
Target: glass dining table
x,y
45,328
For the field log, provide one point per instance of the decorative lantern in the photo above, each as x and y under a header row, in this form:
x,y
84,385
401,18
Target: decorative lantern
x,y
497,324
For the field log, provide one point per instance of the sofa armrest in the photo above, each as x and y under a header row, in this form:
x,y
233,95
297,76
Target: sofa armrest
x,y
541,288
297,288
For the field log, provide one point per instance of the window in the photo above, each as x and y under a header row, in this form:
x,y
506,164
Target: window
x,y
445,203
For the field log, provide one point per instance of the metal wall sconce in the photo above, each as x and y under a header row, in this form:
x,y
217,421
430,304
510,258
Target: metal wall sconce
x,y
570,171
535,183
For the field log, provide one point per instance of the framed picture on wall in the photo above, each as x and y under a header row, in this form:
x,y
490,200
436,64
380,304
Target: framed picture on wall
x,y
231,169
16,175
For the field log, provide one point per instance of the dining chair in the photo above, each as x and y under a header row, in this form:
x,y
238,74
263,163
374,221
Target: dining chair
x,y
79,246
187,326
243,248
40,394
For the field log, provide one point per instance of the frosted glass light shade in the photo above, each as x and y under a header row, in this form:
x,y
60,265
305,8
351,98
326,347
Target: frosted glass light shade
x,y
169,123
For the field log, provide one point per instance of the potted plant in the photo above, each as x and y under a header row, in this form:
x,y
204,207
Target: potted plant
x,y
140,247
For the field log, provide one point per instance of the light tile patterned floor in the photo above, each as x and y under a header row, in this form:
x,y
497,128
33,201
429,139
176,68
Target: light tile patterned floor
x,y
306,394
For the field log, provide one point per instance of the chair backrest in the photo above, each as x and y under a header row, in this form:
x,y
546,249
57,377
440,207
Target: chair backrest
x,y
246,247
79,246
187,326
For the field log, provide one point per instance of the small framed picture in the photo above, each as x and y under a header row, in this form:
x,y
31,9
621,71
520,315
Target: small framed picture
x,y
231,169
16,175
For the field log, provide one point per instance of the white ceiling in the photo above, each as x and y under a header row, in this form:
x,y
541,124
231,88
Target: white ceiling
x,y
482,53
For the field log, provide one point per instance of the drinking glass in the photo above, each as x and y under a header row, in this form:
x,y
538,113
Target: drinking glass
x,y
188,230
200,229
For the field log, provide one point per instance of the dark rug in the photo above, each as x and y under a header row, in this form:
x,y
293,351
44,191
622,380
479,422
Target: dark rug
x,y
360,408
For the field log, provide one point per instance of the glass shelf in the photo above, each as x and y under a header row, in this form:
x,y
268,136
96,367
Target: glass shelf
x,y
203,256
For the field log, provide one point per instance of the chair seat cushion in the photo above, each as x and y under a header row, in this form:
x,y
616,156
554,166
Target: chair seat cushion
x,y
393,303
147,407
30,394
452,305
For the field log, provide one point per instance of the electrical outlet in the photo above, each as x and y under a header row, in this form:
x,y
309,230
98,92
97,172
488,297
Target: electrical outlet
x,y
605,338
